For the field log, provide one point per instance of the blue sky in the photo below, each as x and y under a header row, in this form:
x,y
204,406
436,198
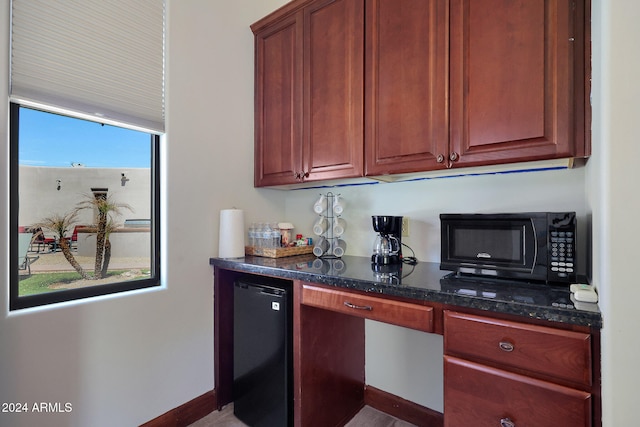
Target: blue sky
x,y
52,140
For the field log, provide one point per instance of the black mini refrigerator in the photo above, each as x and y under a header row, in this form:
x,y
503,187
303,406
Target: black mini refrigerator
x,y
262,354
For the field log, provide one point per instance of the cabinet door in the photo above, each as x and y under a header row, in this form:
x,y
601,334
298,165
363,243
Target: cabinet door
x,y
333,93
512,80
480,396
406,86
278,115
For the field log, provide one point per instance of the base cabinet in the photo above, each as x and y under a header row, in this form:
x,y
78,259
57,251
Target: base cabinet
x,y
482,396
329,357
499,370
501,373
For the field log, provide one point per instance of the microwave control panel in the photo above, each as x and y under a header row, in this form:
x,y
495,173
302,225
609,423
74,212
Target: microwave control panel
x,y
562,235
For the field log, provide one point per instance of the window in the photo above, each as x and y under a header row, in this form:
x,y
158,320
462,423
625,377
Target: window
x,y
85,207
87,109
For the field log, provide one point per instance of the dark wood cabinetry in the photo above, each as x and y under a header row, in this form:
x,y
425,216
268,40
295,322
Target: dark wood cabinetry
x,y
516,74
481,396
278,96
309,95
346,88
500,369
399,313
406,101
329,355
468,83
548,353
329,350
505,373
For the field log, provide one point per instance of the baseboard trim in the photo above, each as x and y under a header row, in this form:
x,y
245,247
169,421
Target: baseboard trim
x,y
203,405
187,413
400,408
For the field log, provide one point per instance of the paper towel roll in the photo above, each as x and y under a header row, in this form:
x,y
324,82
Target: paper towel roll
x,y
231,243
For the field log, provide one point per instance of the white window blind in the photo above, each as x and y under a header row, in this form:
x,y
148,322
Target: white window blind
x,y
98,59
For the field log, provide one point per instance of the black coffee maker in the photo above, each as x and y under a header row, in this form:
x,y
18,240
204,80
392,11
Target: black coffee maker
x,y
387,248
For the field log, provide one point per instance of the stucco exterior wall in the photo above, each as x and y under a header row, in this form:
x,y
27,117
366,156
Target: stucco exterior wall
x,y
40,197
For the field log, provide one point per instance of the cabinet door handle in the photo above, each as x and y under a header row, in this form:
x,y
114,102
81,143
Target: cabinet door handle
x,y
300,176
506,422
453,156
506,346
358,307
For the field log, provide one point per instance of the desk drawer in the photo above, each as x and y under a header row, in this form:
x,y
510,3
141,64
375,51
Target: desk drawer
x,y
399,313
480,396
552,353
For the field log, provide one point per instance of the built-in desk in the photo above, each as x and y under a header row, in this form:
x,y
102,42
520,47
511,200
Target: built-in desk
x,y
523,343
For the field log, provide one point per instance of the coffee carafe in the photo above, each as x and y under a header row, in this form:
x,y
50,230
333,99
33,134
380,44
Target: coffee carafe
x,y
387,248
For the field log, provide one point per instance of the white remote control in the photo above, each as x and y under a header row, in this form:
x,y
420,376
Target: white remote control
x,y
580,287
586,295
583,292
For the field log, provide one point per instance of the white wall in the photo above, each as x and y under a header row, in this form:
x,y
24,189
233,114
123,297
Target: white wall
x,y
614,198
127,359
423,201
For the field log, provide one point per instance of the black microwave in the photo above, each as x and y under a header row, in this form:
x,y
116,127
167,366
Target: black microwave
x,y
534,246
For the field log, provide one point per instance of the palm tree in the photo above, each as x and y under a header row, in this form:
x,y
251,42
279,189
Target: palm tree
x,y
105,207
60,225
107,246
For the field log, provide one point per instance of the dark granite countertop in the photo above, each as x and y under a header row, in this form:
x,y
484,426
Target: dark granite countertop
x,y
426,282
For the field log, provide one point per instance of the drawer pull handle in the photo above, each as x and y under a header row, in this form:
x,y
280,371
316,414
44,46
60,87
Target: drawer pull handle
x,y
508,347
506,422
358,307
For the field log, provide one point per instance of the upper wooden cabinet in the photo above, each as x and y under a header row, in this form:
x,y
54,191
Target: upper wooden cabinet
x,y
278,98
346,88
406,56
472,82
516,80
309,94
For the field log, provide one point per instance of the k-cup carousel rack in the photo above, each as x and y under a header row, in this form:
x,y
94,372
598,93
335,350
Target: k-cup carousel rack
x,y
329,226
